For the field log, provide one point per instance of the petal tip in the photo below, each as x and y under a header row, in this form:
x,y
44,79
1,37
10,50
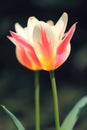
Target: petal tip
x,y
74,25
16,24
32,18
64,16
18,28
65,13
12,33
8,37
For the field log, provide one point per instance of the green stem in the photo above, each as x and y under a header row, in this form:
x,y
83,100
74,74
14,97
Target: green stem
x,y
55,100
37,105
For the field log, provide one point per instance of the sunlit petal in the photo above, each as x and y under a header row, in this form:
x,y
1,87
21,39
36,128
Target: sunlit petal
x,y
62,57
22,58
27,61
29,50
21,31
19,40
60,26
45,44
32,21
67,39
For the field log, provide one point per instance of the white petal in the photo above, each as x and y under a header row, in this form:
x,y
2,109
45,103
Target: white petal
x,y
21,31
32,21
60,26
36,34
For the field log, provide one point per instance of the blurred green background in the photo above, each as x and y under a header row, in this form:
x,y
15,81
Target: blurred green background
x,y
17,83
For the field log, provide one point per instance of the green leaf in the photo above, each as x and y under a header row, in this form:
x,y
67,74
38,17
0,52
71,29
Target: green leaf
x,y
15,121
73,115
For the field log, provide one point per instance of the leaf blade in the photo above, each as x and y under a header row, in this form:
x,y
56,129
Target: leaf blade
x,y
15,121
73,115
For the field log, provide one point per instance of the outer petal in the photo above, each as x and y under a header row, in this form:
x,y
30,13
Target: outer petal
x,y
27,51
18,40
61,58
67,39
60,26
63,50
22,58
25,60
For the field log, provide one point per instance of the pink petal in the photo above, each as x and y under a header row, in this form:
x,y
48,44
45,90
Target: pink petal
x,y
61,58
45,50
67,39
29,50
63,50
22,58
27,60
33,58
42,47
20,41
45,41
46,45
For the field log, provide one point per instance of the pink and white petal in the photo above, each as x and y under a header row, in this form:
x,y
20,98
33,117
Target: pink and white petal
x,y
61,58
60,26
44,37
31,55
28,59
28,48
45,47
22,58
12,40
39,46
49,41
21,31
67,39
17,40
50,34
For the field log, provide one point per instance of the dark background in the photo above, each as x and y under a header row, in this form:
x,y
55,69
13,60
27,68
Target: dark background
x,y
17,83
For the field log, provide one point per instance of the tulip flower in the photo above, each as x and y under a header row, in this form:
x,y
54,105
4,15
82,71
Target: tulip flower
x,y
42,45
45,46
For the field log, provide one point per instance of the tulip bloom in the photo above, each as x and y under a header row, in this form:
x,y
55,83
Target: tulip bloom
x,y
42,45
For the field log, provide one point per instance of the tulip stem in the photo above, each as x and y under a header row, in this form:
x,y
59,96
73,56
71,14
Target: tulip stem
x,y
55,100
37,104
